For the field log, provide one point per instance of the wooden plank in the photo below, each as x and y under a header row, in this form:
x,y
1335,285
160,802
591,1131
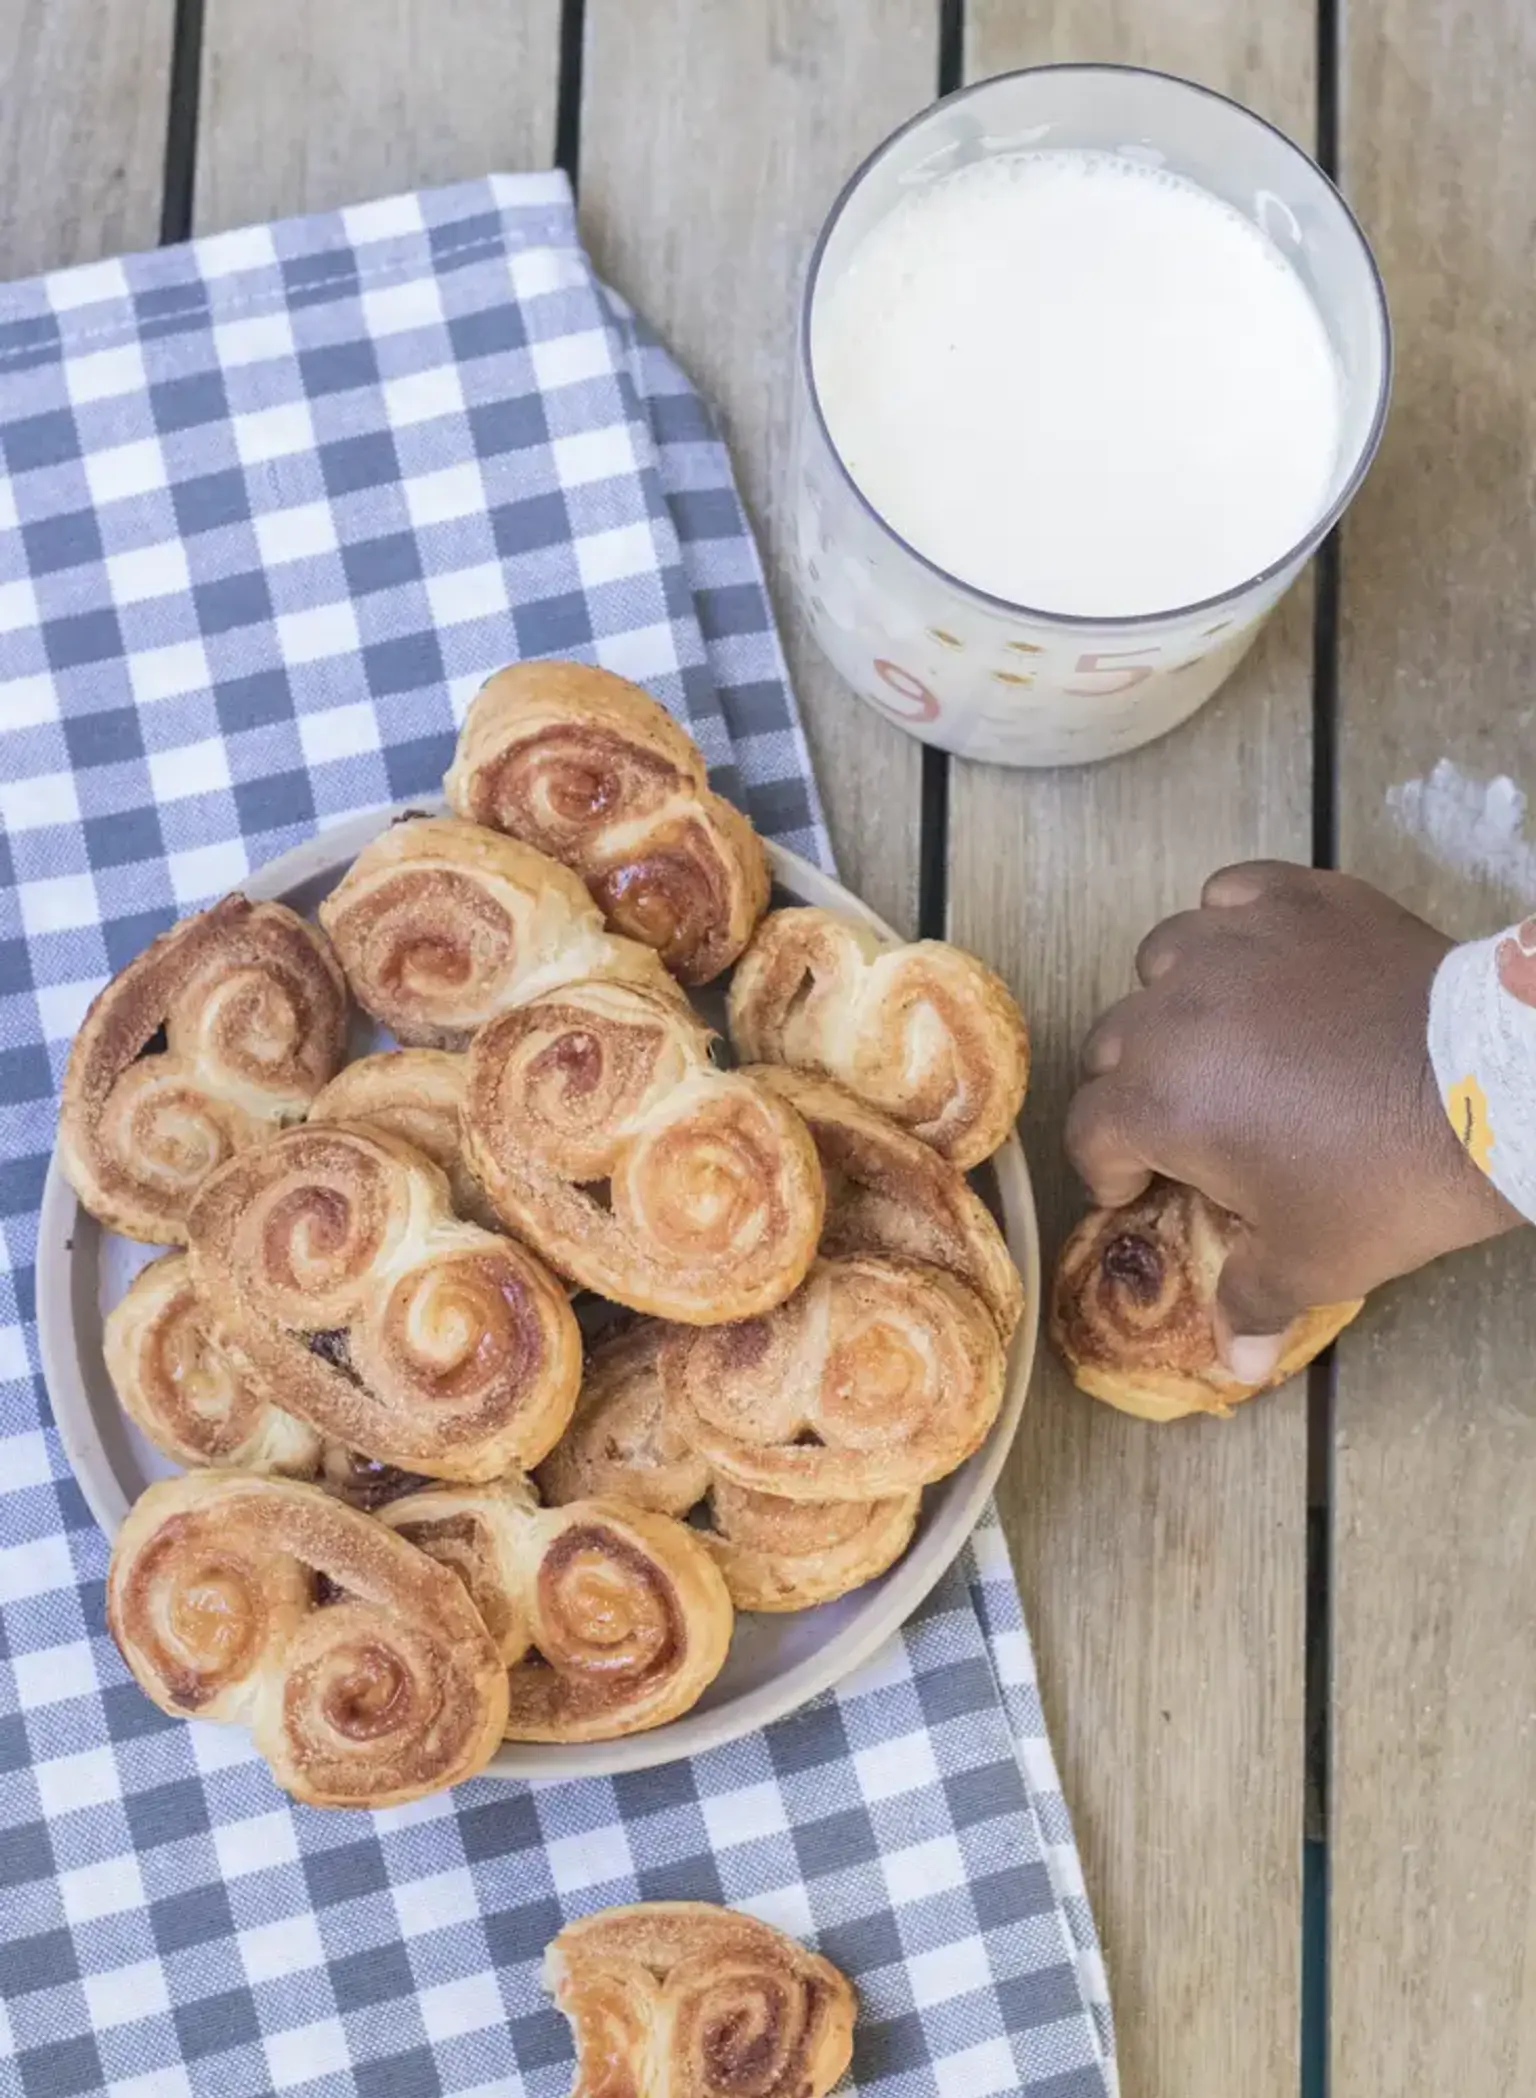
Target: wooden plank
x,y
713,139
82,129
1163,1569
1434,1543
306,106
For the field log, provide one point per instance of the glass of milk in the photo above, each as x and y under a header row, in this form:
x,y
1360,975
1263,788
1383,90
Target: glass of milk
x,y
1090,361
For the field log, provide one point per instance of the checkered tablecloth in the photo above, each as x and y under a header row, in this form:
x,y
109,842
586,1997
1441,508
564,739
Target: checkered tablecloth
x,y
273,505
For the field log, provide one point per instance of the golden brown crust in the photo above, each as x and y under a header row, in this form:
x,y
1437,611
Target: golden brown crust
x,y
888,1192
618,1443
254,1012
1133,1308
611,1620
604,1136
680,1999
388,1692
925,1033
336,1276
441,924
876,1378
416,1094
779,1555
593,771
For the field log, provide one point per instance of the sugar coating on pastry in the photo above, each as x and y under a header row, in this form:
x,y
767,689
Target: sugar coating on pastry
x,y
592,770
216,1597
416,1094
924,1032
681,1999
221,1031
1133,1308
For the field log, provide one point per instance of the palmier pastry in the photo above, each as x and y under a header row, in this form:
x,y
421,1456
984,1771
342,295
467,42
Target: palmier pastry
x,y
337,1279
417,1094
604,1136
775,1554
1133,1310
184,1393
609,1619
887,1192
925,1033
440,924
680,1999
597,774
389,1691
877,1377
251,1010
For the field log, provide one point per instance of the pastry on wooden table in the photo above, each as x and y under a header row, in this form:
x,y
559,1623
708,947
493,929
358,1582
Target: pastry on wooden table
x,y
775,1554
888,1192
680,1999
440,924
926,1033
338,1280
416,1094
597,774
604,1136
609,1619
222,1030
1133,1308
877,1377
216,1597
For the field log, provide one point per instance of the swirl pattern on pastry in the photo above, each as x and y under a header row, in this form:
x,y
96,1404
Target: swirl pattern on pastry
x,y
876,1378
680,1999
390,1691
925,1033
415,1094
253,1011
439,924
336,1276
610,1619
596,773
1133,1308
604,1136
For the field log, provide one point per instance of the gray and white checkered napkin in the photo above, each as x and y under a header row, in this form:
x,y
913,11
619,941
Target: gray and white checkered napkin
x,y
273,504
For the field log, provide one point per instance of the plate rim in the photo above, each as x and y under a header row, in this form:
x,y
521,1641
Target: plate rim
x,y
911,1581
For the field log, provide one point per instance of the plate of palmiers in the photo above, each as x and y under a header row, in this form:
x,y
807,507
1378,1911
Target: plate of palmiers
x,y
539,1283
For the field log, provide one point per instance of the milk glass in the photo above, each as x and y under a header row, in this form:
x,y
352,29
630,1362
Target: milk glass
x,y
1012,684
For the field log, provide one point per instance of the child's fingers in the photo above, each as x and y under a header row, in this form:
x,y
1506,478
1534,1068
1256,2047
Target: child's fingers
x,y
1168,943
1229,888
1103,1147
1257,1297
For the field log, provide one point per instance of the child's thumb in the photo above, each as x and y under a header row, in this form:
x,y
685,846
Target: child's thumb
x,y
1255,1303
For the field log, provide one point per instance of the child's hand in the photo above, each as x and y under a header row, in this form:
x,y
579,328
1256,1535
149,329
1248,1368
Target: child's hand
x,y
1276,1059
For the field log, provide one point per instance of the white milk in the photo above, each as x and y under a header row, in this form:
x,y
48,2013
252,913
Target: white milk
x,y
1080,383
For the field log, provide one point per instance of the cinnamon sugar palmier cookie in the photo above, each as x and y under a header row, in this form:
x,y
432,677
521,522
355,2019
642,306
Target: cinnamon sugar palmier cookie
x,y
440,924
876,1378
1133,1309
415,1094
680,1999
392,1690
605,1137
925,1033
610,1619
597,774
223,1029
338,1280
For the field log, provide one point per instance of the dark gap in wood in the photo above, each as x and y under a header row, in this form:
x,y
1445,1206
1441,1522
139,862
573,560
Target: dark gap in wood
x,y
176,195
951,45
573,34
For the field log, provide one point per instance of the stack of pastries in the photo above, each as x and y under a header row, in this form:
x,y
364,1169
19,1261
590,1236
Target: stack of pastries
x,y
419,1514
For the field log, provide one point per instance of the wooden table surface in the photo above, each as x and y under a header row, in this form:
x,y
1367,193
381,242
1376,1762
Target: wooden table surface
x,y
1166,1573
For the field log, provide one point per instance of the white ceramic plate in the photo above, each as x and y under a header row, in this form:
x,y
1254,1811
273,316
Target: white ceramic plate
x,y
776,1662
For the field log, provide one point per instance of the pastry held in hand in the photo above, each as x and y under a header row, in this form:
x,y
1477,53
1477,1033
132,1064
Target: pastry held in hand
x,y
597,774
877,1377
887,1192
605,1137
775,1554
338,1280
439,925
253,1012
415,1094
680,1999
1133,1309
390,1691
610,1619
925,1033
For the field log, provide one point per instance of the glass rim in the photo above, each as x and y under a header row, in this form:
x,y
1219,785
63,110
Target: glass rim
x,y
1299,551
